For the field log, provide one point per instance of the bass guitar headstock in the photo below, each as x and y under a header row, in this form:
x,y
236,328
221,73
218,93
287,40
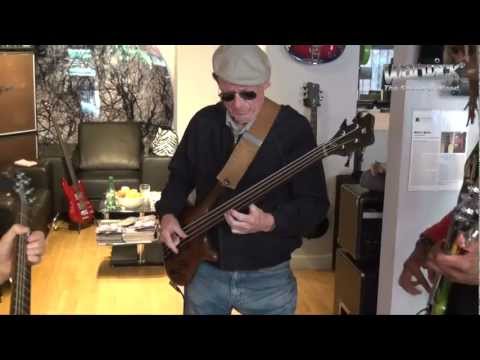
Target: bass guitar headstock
x,y
312,95
354,136
24,189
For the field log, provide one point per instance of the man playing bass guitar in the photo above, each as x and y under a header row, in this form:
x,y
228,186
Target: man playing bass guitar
x,y
252,273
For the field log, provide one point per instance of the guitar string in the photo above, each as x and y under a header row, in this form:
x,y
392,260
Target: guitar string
x,y
23,268
212,218
271,176
23,274
19,265
260,186
20,273
286,170
245,200
265,185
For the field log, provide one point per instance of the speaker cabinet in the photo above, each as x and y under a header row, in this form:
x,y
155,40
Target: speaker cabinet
x,y
19,146
356,286
18,130
360,222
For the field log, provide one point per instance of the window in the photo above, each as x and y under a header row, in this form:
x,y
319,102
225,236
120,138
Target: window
x,y
371,73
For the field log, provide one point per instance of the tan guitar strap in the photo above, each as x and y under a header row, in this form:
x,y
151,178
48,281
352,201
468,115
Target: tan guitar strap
x,y
246,149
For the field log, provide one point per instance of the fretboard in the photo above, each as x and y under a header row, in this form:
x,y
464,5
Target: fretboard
x,y
20,300
313,121
255,192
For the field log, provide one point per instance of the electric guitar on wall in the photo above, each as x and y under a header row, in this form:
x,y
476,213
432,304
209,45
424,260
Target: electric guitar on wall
x,y
80,209
197,221
315,54
312,99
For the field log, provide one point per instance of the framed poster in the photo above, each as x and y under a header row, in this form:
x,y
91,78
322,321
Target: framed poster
x,y
438,150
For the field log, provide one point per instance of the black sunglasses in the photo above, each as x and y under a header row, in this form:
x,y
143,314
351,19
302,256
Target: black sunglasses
x,y
230,95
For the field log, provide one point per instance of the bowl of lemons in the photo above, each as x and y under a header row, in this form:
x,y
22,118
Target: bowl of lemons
x,y
129,198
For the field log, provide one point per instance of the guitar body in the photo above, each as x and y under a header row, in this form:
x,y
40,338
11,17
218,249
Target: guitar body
x,y
182,267
319,230
80,209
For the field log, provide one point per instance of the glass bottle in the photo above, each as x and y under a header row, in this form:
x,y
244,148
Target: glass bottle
x,y
110,198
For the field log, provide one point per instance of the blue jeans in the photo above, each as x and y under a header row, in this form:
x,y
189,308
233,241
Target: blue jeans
x,y
268,291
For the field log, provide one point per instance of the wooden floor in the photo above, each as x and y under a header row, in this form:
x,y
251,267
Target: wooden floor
x,y
75,277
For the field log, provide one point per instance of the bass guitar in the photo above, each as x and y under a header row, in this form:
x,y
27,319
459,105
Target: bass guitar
x,y
196,221
21,272
312,99
80,209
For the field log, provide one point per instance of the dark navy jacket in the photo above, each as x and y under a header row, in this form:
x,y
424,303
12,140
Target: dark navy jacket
x,y
297,205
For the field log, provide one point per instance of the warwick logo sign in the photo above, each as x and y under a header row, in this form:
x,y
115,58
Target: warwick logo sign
x,y
431,72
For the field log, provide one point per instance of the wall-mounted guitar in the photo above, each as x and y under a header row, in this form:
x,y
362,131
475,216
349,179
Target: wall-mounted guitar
x,y
197,221
312,99
80,209
315,54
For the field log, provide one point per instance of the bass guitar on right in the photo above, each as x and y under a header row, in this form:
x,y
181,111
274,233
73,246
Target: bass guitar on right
x,y
464,221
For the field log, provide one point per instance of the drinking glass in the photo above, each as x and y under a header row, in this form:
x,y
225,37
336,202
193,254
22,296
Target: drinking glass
x,y
145,191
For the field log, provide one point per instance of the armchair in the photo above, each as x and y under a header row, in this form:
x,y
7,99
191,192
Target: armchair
x,y
107,149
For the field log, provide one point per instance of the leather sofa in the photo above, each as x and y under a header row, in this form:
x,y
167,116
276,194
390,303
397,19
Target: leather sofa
x,y
105,149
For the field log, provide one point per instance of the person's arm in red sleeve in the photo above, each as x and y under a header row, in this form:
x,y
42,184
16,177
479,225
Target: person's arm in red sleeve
x,y
439,231
412,275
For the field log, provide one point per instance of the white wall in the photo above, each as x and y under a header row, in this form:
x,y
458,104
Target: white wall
x,y
338,80
194,83
406,213
169,55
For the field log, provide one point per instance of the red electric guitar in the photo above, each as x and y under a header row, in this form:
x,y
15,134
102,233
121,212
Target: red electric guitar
x,y
315,54
80,209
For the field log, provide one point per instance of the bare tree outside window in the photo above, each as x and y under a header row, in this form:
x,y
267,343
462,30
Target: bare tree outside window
x,y
85,83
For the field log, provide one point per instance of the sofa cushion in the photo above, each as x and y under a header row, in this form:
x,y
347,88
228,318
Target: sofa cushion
x,y
109,146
